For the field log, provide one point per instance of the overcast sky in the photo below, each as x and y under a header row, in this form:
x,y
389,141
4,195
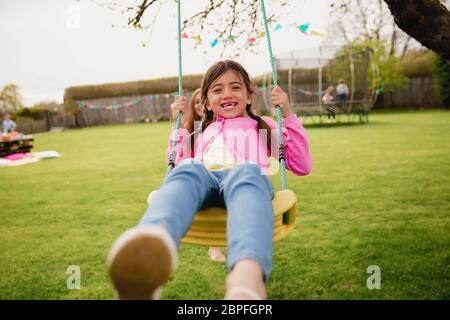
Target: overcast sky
x,y
48,45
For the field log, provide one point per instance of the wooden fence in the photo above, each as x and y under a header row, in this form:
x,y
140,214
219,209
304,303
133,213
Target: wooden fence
x,y
419,93
145,109
29,126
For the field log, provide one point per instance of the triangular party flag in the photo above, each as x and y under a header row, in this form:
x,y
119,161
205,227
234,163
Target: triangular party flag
x,y
278,27
304,27
230,38
261,34
214,43
315,33
197,39
185,36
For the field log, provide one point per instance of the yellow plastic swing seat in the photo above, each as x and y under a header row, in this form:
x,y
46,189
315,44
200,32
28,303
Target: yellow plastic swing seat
x,y
209,227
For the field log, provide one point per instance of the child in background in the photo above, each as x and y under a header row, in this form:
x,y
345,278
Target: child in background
x,y
329,103
8,124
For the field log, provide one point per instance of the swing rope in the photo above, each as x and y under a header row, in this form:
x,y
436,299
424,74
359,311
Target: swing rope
x,y
282,155
180,92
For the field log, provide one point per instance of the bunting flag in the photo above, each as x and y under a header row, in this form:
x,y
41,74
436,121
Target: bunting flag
x,y
315,33
230,38
256,35
304,27
278,27
116,106
214,43
197,39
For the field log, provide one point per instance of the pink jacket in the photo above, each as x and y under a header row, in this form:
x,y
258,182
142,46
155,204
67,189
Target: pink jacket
x,y
242,139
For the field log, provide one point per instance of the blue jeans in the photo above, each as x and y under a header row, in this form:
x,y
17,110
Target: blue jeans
x,y
244,191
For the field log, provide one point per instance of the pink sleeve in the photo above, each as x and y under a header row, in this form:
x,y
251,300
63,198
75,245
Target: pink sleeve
x,y
296,142
182,136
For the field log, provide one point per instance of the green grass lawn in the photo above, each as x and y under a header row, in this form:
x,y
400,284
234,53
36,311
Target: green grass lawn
x,y
379,194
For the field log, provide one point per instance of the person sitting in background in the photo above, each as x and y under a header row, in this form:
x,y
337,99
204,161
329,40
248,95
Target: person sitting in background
x,y
8,124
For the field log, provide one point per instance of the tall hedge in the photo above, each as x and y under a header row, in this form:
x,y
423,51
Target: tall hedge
x,y
133,88
442,79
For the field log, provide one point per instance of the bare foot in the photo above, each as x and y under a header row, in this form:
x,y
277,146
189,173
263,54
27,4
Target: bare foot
x,y
215,254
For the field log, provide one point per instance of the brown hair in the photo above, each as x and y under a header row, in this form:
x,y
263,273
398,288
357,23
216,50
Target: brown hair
x,y
214,72
191,117
192,114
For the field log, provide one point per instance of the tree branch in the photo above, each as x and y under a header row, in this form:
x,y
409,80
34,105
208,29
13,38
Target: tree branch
x,y
427,21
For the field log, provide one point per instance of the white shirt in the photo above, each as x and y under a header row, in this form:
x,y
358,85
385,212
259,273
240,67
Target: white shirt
x,y
342,89
217,156
8,126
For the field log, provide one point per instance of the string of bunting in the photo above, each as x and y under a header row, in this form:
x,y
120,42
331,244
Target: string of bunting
x,y
378,90
127,104
255,36
306,92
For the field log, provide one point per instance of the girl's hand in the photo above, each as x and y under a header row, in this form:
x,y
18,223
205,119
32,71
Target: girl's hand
x,y
279,97
179,105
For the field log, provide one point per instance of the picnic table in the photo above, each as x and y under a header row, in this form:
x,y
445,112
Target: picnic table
x,y
15,144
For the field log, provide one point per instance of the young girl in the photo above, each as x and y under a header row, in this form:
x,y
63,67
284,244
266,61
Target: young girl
x,y
328,100
223,172
195,114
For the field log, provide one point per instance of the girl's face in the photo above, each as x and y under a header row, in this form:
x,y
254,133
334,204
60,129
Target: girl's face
x,y
197,105
228,96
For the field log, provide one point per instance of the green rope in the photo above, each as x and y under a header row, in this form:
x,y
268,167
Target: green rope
x,y
275,83
173,155
180,62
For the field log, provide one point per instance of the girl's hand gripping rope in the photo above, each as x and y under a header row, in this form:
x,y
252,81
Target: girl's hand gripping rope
x,y
179,105
279,97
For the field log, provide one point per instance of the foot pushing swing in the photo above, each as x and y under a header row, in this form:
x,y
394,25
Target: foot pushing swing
x,y
209,225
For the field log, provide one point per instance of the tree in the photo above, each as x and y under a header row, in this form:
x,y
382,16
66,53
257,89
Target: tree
x,y
427,21
386,74
233,22
48,106
377,69
11,98
367,19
